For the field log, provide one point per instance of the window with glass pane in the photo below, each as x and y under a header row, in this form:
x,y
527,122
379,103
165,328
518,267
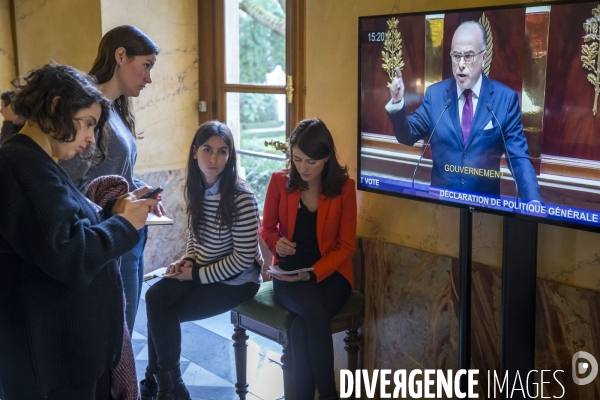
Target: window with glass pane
x,y
255,42
258,173
255,79
256,118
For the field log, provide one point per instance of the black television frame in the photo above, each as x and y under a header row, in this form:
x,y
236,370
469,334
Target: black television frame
x,y
471,208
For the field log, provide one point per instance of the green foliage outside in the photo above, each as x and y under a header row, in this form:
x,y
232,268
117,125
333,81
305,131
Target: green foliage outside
x,y
261,50
256,108
258,174
258,169
255,140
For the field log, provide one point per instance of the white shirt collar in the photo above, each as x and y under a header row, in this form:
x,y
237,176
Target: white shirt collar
x,y
476,88
214,189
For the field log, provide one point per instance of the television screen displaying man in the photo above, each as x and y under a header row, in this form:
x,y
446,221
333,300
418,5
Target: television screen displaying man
x,y
476,121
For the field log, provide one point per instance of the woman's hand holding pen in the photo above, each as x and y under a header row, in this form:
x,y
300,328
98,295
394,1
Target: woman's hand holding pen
x,y
284,247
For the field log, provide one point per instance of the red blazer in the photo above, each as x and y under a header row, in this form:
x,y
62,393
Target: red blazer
x,y
336,225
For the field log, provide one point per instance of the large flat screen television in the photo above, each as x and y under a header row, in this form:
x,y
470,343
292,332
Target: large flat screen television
x,y
523,140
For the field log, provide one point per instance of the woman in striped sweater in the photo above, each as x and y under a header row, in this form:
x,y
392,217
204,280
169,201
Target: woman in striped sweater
x,y
221,267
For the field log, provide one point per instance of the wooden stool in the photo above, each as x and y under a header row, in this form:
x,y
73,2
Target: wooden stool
x,y
263,315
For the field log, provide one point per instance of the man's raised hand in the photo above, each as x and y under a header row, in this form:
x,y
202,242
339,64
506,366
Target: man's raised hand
x,y
397,87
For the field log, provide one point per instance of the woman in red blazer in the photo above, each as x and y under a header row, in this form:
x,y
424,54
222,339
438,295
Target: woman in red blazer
x,y
309,220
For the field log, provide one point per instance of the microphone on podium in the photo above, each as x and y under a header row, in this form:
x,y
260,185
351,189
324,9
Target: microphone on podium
x,y
448,102
491,110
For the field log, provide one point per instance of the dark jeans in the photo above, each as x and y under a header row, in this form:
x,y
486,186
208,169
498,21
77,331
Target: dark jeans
x,y
99,390
170,302
132,274
310,334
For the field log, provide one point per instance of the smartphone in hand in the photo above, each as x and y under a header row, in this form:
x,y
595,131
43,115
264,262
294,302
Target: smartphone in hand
x,y
152,194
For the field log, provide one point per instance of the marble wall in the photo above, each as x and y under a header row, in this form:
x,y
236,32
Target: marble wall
x,y
411,317
65,31
166,243
7,52
167,110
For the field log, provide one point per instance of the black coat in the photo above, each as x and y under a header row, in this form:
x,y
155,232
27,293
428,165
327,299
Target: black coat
x,y
61,296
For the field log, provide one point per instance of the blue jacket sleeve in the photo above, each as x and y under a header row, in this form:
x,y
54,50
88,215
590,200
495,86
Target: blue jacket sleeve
x,y
412,128
517,151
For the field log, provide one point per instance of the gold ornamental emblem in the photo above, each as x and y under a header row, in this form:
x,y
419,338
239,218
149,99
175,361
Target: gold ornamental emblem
x,y
590,55
489,46
392,53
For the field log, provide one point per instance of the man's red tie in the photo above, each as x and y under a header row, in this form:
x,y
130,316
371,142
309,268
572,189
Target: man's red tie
x,y
467,115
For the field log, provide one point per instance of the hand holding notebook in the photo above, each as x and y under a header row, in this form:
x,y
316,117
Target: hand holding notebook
x,y
275,270
159,273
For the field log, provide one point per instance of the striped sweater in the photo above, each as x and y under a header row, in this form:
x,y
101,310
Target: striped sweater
x,y
225,253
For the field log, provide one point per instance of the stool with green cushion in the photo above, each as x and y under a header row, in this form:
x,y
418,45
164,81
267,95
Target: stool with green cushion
x,y
264,316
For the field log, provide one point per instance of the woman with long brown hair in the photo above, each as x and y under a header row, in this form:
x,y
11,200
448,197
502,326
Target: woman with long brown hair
x,y
122,69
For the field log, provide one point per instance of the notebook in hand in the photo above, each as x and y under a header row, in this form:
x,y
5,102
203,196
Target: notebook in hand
x,y
275,270
153,219
159,273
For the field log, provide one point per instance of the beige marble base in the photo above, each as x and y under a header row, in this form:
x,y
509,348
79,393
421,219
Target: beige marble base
x,y
411,318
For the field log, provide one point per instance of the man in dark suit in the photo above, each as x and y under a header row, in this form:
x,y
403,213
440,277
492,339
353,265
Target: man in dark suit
x,y
468,144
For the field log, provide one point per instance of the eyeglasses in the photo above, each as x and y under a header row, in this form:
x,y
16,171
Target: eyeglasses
x,y
469,57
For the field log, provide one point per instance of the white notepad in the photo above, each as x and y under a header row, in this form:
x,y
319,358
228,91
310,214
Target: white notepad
x,y
153,219
159,273
275,270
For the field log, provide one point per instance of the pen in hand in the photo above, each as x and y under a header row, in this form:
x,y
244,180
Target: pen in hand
x,y
277,255
284,247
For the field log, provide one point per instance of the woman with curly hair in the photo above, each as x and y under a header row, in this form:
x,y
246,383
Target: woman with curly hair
x,y
61,297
